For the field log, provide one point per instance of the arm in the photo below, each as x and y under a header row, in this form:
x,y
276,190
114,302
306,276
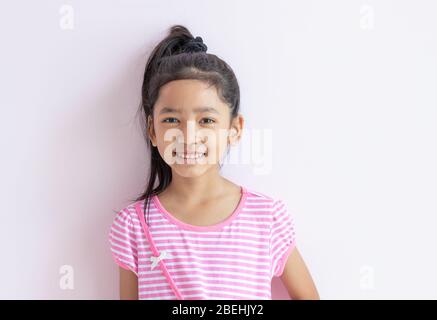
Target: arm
x,y
128,285
297,279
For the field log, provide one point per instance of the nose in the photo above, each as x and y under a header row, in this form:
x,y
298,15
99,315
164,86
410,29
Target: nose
x,y
189,135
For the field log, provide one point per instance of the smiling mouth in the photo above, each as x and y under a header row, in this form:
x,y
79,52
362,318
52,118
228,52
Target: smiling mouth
x,y
191,155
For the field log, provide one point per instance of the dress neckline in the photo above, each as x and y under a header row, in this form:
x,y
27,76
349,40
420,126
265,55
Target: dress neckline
x,y
192,227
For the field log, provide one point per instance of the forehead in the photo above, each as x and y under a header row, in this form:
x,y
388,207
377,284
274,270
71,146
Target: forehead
x,y
189,96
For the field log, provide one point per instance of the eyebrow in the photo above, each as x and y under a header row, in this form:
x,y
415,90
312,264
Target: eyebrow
x,y
196,110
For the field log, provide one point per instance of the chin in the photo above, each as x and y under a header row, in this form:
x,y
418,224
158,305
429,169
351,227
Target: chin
x,y
188,171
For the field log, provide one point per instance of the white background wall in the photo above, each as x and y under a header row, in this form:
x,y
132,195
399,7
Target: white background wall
x,y
348,89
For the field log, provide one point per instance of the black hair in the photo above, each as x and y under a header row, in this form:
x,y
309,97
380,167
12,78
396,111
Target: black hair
x,y
180,56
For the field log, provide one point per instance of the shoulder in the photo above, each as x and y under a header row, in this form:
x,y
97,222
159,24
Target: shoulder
x,y
258,195
270,201
277,207
128,215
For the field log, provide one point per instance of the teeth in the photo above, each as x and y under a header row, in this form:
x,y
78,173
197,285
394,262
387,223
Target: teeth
x,y
190,155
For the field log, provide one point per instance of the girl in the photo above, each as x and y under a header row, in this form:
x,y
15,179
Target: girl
x,y
194,234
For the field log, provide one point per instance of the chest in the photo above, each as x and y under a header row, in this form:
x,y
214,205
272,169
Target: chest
x,y
202,214
208,266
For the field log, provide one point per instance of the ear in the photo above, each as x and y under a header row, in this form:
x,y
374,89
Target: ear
x,y
236,129
151,130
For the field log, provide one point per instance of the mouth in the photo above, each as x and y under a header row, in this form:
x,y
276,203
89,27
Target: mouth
x,y
189,156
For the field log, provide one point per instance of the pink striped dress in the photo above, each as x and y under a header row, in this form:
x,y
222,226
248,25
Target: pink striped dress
x,y
234,259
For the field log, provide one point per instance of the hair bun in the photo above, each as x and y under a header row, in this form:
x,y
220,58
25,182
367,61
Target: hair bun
x,y
195,45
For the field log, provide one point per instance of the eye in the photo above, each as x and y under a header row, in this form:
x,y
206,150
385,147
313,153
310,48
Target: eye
x,y
208,120
169,120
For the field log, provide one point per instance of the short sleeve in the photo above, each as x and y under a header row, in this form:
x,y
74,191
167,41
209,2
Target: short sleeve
x,y
123,241
282,237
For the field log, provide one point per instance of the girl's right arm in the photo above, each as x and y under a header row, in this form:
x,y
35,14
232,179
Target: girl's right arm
x,y
128,285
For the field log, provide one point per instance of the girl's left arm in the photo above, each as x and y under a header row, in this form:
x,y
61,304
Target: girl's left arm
x,y
297,278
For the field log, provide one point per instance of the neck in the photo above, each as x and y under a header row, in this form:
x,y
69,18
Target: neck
x,y
197,189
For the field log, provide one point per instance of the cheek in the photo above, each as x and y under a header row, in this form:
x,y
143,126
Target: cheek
x,y
165,136
216,142
164,144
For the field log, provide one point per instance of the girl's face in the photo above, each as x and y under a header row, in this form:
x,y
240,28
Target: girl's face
x,y
192,127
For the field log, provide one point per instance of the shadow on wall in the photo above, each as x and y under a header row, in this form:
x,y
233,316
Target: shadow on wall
x,y
91,166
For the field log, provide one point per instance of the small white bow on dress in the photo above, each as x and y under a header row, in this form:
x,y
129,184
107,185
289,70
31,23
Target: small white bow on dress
x,y
155,260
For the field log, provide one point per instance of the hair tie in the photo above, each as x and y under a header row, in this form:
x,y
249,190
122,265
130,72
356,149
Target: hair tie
x,y
195,45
